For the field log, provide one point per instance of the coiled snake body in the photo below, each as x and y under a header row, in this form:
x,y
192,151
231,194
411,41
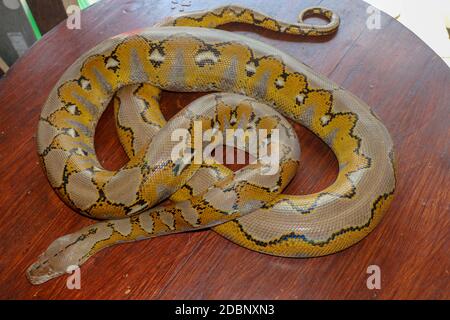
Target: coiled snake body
x,y
257,81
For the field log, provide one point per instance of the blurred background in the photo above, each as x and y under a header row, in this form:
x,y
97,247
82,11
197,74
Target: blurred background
x,y
23,22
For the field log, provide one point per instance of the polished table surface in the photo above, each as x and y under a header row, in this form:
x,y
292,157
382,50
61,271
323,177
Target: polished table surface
x,y
404,81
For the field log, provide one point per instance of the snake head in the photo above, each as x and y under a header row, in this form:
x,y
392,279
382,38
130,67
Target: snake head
x,y
64,253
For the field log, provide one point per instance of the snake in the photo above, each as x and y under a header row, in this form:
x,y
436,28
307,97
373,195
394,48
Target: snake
x,y
252,86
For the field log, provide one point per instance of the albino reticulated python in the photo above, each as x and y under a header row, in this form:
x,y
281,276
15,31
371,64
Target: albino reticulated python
x,y
245,207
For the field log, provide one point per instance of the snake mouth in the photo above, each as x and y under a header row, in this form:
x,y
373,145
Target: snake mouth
x,y
57,260
40,272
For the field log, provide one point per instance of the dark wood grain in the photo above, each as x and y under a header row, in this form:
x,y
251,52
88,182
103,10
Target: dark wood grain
x,y
404,81
47,13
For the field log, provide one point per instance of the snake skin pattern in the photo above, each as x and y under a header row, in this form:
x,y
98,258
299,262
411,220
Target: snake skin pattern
x,y
256,82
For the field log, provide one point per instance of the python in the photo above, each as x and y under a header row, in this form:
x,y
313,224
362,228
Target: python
x,y
212,141
186,54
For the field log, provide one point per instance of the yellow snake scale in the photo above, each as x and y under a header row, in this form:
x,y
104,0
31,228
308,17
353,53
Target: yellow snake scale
x,y
255,81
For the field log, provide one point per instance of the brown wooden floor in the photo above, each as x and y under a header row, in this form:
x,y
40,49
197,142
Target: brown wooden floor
x,y
404,81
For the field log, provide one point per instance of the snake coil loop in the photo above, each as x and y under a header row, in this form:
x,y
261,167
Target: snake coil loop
x,y
258,86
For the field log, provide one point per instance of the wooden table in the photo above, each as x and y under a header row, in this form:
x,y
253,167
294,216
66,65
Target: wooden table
x,y
404,81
